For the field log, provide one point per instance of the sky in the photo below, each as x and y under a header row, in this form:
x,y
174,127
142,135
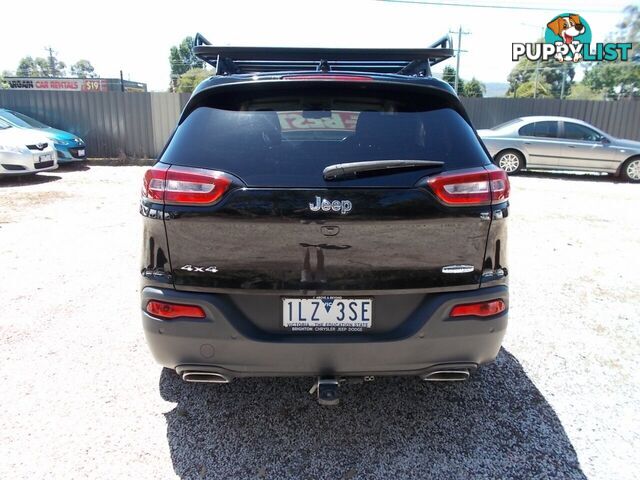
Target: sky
x,y
136,36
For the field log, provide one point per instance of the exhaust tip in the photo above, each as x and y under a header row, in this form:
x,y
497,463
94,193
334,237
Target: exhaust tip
x,y
446,376
205,377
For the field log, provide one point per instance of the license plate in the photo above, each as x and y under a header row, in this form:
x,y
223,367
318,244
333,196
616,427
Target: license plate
x,y
44,158
327,314
81,153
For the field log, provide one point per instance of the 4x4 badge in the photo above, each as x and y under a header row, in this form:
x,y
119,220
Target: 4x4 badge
x,y
342,206
193,268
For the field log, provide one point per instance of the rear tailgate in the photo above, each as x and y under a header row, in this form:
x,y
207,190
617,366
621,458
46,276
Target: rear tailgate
x,y
281,226
269,239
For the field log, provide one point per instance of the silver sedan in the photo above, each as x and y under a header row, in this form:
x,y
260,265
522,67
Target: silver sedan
x,y
560,143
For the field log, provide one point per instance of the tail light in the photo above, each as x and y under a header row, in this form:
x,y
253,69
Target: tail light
x,y
480,309
478,186
184,185
169,311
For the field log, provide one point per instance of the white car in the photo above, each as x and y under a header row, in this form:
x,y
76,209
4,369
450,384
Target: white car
x,y
24,151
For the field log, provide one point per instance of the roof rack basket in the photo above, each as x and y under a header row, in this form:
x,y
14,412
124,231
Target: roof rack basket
x,y
403,61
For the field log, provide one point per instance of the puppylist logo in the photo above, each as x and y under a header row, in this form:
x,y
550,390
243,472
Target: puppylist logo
x,y
568,38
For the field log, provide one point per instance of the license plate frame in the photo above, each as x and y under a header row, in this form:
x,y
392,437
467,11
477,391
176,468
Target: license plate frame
x,y
327,313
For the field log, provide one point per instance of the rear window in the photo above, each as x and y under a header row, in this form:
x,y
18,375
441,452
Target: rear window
x,y
287,140
540,129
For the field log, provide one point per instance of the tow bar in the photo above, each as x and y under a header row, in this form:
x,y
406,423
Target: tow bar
x,y
326,388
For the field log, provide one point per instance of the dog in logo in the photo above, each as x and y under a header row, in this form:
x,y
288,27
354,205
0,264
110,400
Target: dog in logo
x,y
567,28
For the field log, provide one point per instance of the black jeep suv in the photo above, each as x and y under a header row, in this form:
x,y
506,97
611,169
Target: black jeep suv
x,y
324,212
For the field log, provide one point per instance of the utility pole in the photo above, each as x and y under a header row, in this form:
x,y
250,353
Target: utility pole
x,y
458,52
535,86
52,62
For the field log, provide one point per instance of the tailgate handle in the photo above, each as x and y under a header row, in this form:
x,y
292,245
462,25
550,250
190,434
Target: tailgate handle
x,y
329,230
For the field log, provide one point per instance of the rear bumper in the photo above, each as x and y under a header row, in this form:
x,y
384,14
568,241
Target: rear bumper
x,y
222,342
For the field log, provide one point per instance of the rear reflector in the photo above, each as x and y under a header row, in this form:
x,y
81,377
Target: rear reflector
x,y
174,310
480,309
184,185
335,78
478,186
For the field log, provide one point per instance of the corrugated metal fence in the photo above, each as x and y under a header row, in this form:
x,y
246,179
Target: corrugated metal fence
x,y
116,124
113,124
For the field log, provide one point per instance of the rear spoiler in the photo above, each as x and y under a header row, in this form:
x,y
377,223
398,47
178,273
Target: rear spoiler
x,y
404,61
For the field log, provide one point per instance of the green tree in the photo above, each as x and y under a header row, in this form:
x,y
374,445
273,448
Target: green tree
x,y
83,69
619,79
520,74
3,81
614,80
526,89
40,67
28,67
43,67
584,92
552,73
189,80
181,57
449,76
474,88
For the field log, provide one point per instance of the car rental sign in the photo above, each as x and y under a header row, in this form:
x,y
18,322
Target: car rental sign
x,y
65,84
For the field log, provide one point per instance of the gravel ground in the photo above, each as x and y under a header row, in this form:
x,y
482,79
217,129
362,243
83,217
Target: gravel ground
x,y
83,398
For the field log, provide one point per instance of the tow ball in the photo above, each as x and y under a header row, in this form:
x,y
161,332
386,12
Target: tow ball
x,y
327,388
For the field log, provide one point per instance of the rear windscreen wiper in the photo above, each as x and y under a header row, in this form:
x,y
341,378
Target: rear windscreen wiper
x,y
346,170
